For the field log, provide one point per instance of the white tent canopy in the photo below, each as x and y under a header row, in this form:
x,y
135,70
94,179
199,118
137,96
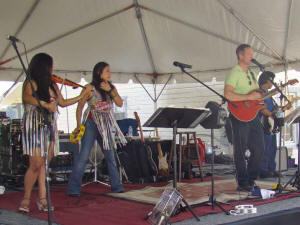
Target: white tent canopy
x,y
142,38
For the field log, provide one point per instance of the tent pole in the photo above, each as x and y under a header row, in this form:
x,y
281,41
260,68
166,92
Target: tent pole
x,y
287,33
138,80
154,81
28,15
155,93
142,28
170,77
286,92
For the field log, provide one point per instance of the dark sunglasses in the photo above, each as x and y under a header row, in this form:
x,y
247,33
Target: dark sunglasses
x,y
253,78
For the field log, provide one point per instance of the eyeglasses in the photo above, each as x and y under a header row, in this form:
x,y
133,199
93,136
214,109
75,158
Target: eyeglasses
x,y
253,78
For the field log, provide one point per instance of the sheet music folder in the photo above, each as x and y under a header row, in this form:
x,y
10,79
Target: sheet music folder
x,y
186,117
296,120
293,117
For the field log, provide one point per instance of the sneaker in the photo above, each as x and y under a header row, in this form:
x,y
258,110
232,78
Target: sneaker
x,y
253,184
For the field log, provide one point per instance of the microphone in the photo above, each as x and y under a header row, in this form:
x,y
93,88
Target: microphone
x,y
13,38
182,65
261,67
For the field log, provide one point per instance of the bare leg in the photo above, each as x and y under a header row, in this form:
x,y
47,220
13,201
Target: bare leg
x,y
35,163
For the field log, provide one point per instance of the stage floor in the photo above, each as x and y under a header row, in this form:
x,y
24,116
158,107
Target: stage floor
x,y
11,217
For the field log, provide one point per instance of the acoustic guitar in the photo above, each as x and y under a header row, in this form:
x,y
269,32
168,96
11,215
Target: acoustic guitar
x,y
247,110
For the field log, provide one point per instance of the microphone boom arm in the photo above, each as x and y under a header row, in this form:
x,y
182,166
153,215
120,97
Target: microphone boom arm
x,y
224,99
278,89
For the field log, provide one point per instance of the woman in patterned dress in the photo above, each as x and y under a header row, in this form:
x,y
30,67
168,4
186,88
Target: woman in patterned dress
x,y
36,136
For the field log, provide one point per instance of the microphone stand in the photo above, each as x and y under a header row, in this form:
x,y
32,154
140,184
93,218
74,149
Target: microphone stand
x,y
45,124
279,187
280,124
212,198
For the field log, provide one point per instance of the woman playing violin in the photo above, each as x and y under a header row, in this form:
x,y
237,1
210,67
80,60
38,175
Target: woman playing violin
x,y
35,136
100,125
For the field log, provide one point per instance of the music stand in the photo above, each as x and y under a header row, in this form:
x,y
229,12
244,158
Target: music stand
x,y
296,176
170,117
95,164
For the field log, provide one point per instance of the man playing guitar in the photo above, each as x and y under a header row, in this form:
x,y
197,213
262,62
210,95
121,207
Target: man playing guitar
x,y
246,134
268,165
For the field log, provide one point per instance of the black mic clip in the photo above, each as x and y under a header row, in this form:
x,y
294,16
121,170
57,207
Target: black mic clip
x,y
182,65
261,67
13,39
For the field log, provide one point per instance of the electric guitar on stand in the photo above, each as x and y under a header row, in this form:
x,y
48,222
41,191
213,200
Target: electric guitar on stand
x,y
163,168
247,110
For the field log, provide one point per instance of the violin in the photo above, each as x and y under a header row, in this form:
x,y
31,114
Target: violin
x,y
60,80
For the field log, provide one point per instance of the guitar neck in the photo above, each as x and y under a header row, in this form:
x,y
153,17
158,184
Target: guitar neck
x,y
159,149
140,126
273,92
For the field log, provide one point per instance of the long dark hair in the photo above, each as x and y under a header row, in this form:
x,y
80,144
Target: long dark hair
x,y
97,71
39,69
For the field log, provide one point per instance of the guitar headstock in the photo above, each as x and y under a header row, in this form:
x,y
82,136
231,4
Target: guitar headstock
x,y
140,126
137,117
293,81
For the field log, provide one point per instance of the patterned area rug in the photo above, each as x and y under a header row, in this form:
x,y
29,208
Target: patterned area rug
x,y
194,193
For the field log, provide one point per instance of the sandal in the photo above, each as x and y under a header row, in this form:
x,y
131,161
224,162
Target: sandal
x,y
43,206
24,207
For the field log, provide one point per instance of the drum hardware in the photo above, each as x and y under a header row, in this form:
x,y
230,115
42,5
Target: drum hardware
x,y
12,160
3,114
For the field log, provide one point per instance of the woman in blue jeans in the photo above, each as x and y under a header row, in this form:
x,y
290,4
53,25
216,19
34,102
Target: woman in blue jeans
x,y
100,125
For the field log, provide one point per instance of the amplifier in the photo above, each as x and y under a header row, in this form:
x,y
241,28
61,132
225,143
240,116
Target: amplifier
x,y
65,145
284,159
67,154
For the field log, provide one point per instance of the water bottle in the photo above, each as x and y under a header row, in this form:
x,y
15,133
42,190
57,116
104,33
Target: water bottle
x,y
208,150
130,131
279,114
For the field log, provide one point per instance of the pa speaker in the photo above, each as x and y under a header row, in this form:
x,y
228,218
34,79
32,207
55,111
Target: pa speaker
x,y
284,159
217,118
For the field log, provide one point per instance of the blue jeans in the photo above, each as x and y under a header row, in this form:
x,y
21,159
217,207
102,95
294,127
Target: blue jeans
x,y
90,135
268,163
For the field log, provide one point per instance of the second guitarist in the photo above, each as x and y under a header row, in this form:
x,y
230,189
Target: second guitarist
x,y
268,164
246,135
